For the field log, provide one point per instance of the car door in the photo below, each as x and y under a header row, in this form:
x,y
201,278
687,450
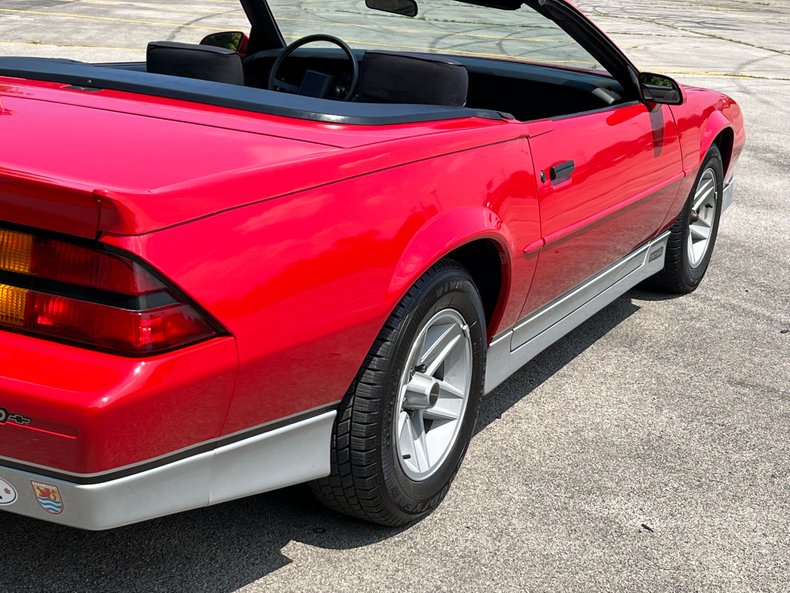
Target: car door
x,y
605,182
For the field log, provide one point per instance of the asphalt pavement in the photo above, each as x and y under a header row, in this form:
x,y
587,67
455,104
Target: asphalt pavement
x,y
649,450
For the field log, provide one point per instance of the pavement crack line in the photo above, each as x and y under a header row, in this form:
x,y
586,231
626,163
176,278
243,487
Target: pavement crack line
x,y
690,31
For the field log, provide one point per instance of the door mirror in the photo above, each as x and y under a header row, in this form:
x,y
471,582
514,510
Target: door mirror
x,y
232,40
404,7
657,88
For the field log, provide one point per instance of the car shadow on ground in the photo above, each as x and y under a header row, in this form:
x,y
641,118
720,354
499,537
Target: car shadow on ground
x,y
646,294
217,549
223,548
551,360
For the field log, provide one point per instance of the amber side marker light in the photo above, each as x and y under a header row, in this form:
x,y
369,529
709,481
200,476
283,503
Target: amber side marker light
x,y
86,294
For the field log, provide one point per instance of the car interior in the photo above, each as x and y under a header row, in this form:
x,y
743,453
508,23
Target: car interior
x,y
340,84
521,90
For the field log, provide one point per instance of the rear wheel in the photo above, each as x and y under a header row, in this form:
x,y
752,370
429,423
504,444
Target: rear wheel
x,y
404,427
694,233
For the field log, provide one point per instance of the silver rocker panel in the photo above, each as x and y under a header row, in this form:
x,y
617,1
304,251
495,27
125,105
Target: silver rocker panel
x,y
729,194
528,338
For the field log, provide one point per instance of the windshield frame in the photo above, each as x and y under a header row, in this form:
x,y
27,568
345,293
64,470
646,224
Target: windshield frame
x,y
266,34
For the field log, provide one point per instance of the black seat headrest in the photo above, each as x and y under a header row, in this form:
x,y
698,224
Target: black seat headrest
x,y
194,61
412,78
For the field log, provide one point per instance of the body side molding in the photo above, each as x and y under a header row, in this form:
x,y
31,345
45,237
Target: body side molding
x,y
536,332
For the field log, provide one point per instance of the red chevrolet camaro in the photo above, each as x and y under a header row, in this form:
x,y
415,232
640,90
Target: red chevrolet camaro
x,y
244,264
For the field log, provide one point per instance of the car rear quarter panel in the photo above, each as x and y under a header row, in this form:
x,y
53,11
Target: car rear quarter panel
x,y
305,282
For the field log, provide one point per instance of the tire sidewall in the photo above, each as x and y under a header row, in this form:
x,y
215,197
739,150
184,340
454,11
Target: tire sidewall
x,y
451,288
693,276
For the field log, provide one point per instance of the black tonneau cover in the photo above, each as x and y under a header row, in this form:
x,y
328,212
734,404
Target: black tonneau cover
x,y
232,96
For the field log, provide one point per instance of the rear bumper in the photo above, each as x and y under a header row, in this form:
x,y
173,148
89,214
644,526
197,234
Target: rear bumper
x,y
276,455
86,412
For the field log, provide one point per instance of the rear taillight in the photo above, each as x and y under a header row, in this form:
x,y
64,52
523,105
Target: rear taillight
x,y
92,296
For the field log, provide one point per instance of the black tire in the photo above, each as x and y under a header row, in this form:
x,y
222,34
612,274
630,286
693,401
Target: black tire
x,y
367,480
679,276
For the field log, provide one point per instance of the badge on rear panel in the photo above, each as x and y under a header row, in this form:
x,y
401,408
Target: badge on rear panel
x,y
7,493
48,497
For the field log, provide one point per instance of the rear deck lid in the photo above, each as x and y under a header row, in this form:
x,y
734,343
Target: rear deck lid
x,y
66,167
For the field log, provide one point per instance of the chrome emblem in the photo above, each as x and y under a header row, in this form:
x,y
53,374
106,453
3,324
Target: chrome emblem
x,y
6,417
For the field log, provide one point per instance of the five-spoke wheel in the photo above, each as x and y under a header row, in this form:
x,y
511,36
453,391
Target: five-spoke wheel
x,y
404,427
434,390
693,235
703,217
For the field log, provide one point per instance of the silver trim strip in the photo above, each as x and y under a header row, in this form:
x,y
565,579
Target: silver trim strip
x,y
542,328
282,457
729,194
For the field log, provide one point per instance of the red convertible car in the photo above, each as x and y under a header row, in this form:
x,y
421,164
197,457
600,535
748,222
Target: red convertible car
x,y
244,264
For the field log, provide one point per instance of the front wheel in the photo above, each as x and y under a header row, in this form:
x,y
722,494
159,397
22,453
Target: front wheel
x,y
404,427
693,235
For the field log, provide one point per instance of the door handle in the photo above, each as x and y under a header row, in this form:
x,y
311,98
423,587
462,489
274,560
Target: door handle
x,y
562,172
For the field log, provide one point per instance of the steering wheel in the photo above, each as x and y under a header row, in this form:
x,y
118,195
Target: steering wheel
x,y
276,84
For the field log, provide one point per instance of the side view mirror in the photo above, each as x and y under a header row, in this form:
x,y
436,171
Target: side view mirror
x,y
232,40
657,88
404,7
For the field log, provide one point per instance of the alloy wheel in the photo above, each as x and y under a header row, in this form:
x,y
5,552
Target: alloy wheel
x,y
703,217
433,394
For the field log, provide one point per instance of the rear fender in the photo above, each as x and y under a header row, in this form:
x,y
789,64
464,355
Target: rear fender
x,y
442,235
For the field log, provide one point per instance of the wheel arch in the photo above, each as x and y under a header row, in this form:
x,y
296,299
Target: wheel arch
x,y
476,238
726,143
484,261
718,130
